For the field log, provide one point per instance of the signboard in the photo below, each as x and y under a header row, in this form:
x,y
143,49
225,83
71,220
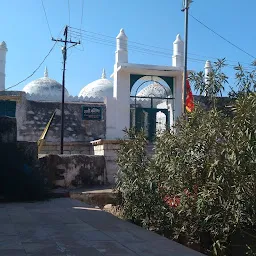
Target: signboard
x,y
92,113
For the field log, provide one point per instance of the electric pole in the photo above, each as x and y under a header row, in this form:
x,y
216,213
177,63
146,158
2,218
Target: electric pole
x,y
64,53
185,9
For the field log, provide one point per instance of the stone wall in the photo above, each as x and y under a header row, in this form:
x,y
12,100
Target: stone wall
x,y
37,115
33,116
73,170
108,149
68,148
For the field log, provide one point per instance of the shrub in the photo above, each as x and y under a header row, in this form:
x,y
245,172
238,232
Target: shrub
x,y
206,172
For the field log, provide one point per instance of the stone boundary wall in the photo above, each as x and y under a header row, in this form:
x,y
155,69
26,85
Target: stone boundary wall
x,y
69,148
108,149
70,171
37,114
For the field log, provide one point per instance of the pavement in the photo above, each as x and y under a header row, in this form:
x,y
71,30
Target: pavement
x,y
65,226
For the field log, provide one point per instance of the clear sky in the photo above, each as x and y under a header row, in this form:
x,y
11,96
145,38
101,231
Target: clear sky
x,y
23,27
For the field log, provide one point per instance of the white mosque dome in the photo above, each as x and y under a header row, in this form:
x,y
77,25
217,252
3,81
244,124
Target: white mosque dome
x,y
155,90
45,88
99,88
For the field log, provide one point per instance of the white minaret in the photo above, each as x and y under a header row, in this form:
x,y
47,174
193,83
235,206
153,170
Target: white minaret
x,y
207,71
178,53
46,72
3,50
121,48
103,76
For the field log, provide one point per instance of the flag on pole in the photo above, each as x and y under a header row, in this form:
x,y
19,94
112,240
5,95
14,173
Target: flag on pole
x,y
189,98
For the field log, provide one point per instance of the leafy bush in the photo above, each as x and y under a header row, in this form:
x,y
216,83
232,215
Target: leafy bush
x,y
200,185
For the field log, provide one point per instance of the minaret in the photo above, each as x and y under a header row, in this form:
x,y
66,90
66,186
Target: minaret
x,y
207,71
103,76
3,50
178,53
121,48
46,72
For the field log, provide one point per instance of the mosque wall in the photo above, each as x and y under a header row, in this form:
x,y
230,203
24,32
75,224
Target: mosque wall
x,y
33,116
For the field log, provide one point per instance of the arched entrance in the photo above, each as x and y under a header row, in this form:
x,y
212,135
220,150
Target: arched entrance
x,y
152,102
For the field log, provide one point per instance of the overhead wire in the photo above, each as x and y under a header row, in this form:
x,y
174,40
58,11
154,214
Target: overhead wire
x,y
109,42
79,34
222,37
41,63
46,18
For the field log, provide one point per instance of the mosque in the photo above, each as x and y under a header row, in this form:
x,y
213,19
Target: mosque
x,y
135,95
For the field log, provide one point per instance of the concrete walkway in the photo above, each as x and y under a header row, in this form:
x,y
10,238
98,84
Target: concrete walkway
x,y
69,227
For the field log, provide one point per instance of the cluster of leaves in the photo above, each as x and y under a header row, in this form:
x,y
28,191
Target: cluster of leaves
x,y
213,84
209,164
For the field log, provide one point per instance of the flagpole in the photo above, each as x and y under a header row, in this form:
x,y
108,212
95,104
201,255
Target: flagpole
x,y
185,9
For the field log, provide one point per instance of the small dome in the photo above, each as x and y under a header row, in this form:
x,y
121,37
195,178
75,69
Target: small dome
x,y
155,90
99,88
45,87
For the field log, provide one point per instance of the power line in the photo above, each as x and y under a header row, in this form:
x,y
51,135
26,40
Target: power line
x,y
78,34
35,69
108,42
239,48
46,18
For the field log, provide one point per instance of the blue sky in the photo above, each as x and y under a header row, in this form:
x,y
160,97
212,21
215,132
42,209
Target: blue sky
x,y
24,28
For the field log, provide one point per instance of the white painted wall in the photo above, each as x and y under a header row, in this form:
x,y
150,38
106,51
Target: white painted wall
x,y
122,95
110,117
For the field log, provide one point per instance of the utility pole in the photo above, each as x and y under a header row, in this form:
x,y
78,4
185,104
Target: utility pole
x,y
185,9
64,53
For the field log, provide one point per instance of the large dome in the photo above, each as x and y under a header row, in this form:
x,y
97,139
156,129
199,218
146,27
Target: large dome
x,y
155,90
44,88
99,88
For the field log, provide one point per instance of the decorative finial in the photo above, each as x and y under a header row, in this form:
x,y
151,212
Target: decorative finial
x,y
103,76
3,45
45,72
122,35
178,39
208,64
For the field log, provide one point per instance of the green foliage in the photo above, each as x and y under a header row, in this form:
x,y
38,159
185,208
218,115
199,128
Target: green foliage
x,y
213,85
208,166
245,81
138,184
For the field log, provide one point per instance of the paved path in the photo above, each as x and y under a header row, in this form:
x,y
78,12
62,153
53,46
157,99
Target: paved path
x,y
69,227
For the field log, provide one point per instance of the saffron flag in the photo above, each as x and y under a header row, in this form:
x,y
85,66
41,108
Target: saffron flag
x,y
189,98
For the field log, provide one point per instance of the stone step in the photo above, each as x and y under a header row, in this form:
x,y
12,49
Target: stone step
x,y
96,196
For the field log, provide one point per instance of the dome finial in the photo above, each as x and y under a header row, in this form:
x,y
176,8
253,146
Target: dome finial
x,y
45,72
103,76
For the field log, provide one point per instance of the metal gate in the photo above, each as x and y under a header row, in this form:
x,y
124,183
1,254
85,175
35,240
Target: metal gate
x,y
151,113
